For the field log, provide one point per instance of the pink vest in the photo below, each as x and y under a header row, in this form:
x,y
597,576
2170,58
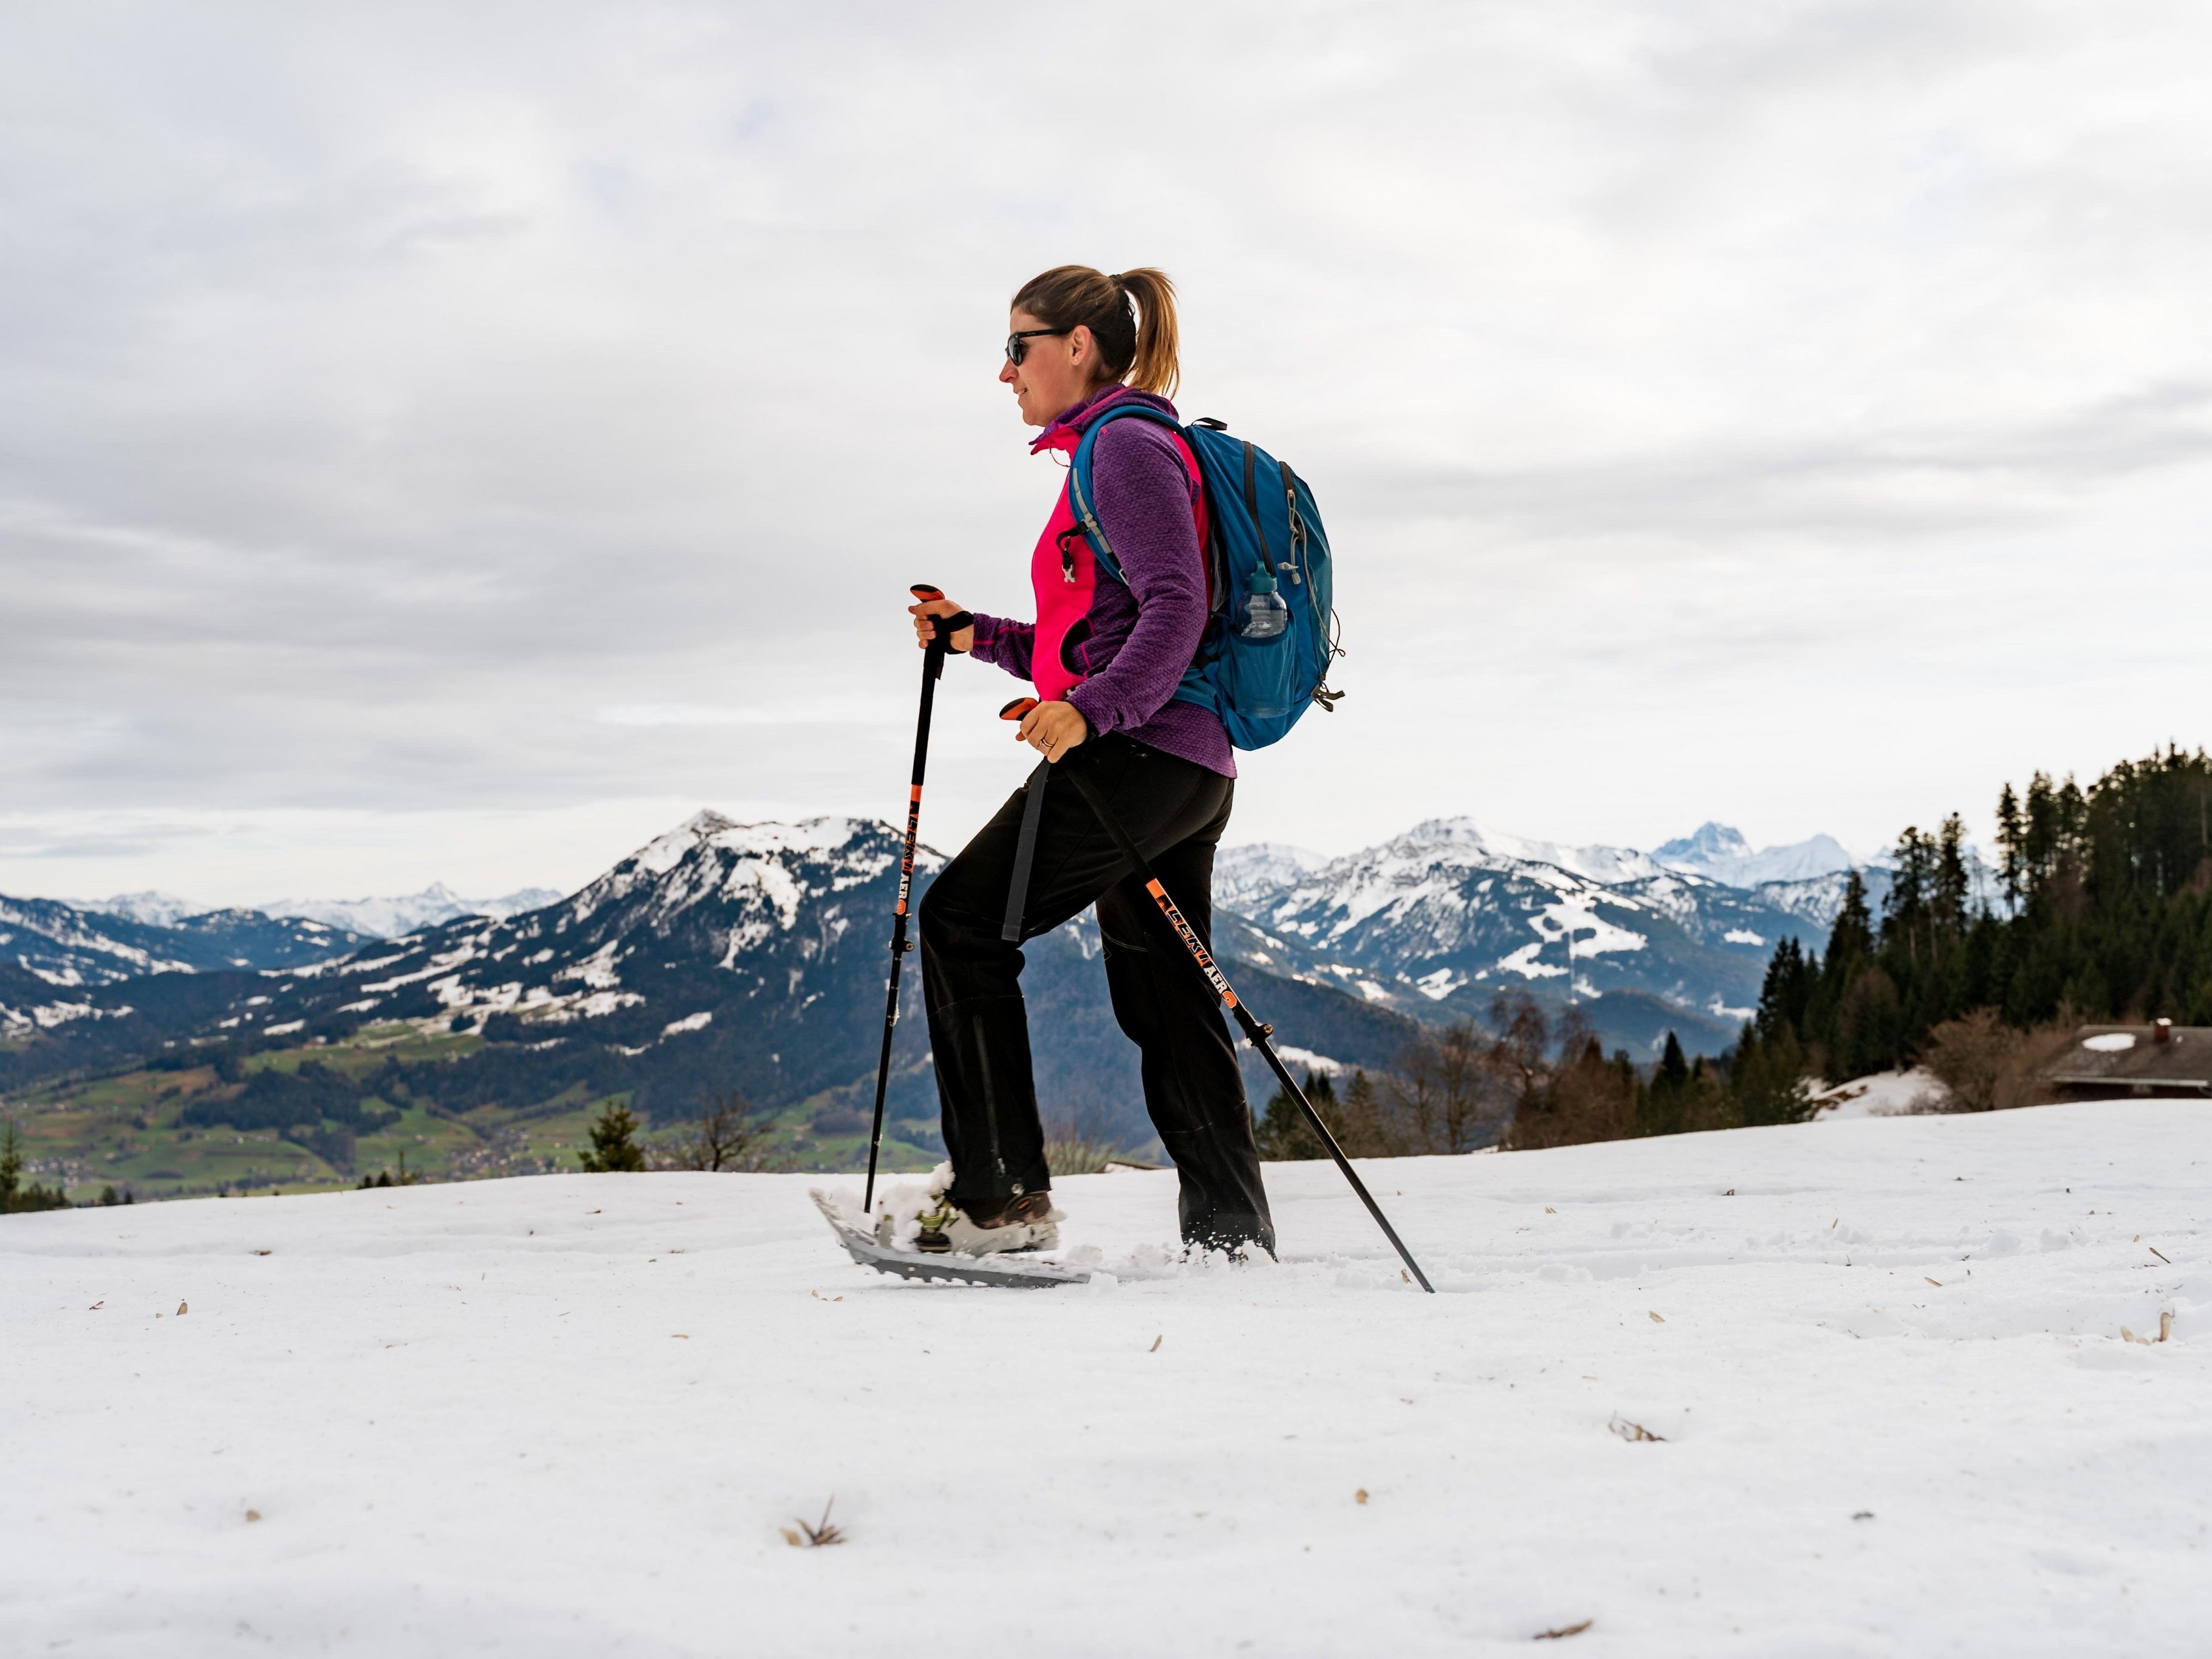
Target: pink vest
x,y
1065,575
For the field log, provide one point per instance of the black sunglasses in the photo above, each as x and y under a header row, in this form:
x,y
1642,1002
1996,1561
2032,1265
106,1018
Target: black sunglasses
x,y
1016,346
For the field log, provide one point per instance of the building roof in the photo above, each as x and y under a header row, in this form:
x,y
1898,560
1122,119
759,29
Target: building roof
x,y
2180,1056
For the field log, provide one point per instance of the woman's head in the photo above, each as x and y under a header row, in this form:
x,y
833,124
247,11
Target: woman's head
x,y
1085,330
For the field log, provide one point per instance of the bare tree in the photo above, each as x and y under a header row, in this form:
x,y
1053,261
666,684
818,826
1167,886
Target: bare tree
x,y
1443,1094
731,1134
1985,1064
1585,1096
1520,1057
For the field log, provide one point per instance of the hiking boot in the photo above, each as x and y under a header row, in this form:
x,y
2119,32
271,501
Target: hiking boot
x,y
1025,1221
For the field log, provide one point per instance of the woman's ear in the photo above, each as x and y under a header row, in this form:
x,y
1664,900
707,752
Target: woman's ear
x,y
1082,350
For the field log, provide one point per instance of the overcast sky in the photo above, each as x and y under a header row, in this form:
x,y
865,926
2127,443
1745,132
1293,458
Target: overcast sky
x,y
457,441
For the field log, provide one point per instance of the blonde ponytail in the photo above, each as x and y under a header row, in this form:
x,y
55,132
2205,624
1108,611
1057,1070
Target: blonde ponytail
x,y
1153,366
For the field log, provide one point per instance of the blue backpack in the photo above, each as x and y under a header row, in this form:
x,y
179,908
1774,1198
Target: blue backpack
x,y
1264,536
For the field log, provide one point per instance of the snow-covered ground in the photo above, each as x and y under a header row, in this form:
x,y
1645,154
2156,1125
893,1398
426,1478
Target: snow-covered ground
x,y
1880,1094
570,1415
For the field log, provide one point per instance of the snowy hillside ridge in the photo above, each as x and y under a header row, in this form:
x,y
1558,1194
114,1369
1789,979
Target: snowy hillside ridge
x,y
1449,909
1817,900
1880,1366
409,913
711,910
1462,841
1242,874
29,1004
155,909
64,945
1721,853
769,868
741,886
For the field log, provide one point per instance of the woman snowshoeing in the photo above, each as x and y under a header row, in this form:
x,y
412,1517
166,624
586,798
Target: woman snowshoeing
x,y
1105,656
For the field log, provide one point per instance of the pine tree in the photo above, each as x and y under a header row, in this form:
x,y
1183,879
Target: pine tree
x,y
1766,1076
1283,1134
1906,912
1852,937
1706,1102
1359,1126
1279,1131
1660,1111
1321,1091
614,1144
1785,996
14,1193
2012,849
1948,900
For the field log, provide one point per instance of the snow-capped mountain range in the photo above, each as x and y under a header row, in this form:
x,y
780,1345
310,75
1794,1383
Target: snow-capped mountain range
x,y
727,955
64,944
1454,914
1721,853
719,956
1715,851
373,918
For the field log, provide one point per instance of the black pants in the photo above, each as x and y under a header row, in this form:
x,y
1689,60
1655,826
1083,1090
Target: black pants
x,y
1175,810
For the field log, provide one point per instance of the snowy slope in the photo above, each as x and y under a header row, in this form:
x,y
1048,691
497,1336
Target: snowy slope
x,y
68,946
568,1416
1488,849
1816,900
1721,853
1244,874
715,957
65,947
154,907
730,946
370,918
408,913
1449,914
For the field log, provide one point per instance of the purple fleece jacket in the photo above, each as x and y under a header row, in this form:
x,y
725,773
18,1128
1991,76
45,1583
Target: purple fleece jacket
x,y
1144,632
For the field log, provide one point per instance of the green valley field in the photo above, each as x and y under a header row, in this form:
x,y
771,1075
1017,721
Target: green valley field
x,y
160,1133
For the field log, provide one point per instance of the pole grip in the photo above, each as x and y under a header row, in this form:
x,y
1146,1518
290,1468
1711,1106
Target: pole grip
x,y
941,628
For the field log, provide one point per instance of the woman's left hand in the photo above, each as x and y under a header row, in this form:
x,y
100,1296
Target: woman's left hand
x,y
1054,728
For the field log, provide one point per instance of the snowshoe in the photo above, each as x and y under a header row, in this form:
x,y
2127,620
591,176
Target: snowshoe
x,y
1011,1269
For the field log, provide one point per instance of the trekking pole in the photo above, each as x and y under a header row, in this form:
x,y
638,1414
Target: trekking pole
x,y
1255,1031
942,628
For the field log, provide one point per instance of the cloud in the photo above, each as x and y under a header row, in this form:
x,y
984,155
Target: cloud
x,y
485,411
1844,489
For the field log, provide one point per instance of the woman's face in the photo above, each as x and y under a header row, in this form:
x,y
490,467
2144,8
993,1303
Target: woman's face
x,y
1057,370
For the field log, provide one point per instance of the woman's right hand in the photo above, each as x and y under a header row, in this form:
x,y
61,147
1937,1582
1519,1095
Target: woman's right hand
x,y
923,632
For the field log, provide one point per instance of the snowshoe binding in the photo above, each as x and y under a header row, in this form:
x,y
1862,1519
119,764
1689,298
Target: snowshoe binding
x,y
923,1218
917,1232
1026,1221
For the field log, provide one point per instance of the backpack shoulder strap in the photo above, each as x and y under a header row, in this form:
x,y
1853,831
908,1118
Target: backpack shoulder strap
x,y
1079,479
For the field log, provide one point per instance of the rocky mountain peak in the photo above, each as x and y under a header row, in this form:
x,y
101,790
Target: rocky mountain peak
x,y
1708,841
